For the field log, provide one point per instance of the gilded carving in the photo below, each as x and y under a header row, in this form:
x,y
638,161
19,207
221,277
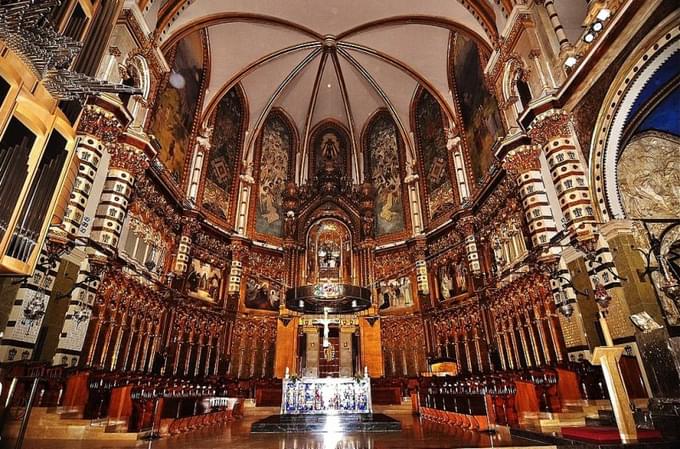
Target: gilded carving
x,y
649,176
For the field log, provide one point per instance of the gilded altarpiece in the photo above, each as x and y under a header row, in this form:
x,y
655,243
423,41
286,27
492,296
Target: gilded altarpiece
x,y
228,124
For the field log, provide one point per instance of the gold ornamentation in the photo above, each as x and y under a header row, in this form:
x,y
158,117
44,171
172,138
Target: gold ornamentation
x,y
523,160
550,125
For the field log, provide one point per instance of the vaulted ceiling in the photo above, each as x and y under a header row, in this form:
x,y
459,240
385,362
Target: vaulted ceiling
x,y
337,59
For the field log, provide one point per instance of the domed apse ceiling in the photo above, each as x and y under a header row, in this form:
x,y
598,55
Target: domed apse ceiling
x,y
337,59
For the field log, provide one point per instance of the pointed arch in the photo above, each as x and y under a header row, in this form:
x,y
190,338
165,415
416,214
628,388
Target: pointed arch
x,y
384,163
219,187
275,149
434,162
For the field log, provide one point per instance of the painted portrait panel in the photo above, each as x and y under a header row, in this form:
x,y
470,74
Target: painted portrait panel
x,y
276,146
452,280
385,173
173,119
395,294
204,281
224,156
479,108
262,294
432,143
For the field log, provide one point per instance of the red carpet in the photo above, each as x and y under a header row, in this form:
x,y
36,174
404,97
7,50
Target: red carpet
x,y
605,434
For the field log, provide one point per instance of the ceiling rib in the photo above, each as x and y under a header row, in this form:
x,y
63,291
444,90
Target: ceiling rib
x,y
367,76
253,66
310,115
272,98
358,174
446,106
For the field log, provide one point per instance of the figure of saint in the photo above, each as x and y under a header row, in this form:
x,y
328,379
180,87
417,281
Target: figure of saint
x,y
329,147
446,284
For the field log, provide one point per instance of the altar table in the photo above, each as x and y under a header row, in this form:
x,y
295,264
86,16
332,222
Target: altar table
x,y
326,396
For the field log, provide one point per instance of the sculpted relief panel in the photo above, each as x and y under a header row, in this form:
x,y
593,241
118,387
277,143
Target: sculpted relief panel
x,y
649,176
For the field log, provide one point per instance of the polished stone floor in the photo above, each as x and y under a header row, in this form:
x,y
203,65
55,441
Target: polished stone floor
x,y
415,434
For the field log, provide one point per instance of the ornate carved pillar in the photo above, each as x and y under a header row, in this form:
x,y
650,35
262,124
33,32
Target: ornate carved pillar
x,y
127,163
524,164
466,228
552,131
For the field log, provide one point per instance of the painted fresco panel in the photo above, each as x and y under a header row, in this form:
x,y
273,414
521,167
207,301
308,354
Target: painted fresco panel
x,y
174,116
479,108
452,280
432,143
262,294
223,159
277,142
395,294
204,281
384,163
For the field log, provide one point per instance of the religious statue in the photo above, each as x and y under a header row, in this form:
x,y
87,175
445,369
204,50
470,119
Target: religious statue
x,y
330,147
411,171
247,175
203,138
446,283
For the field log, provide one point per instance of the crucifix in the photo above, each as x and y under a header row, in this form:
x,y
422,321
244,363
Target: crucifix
x,y
325,323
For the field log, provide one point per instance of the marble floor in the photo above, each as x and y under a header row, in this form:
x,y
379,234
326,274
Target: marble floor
x,y
415,434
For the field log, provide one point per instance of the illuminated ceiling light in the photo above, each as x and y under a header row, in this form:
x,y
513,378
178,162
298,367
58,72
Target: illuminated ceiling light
x,y
597,26
588,38
604,14
570,62
177,80
329,86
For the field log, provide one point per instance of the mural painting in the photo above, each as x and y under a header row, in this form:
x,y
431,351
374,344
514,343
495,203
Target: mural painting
x,y
479,108
177,104
276,146
383,163
262,294
452,280
204,281
223,158
431,140
395,294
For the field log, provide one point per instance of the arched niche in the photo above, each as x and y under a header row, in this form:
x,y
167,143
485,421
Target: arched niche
x,y
274,164
481,118
435,164
220,184
636,97
329,140
328,254
384,161
178,102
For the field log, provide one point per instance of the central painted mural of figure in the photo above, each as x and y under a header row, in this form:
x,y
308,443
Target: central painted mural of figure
x,y
384,166
276,146
177,104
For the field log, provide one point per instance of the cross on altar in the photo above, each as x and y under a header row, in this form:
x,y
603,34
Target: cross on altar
x,y
325,323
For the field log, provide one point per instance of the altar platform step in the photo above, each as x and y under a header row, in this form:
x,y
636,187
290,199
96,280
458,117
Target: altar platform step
x,y
365,422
